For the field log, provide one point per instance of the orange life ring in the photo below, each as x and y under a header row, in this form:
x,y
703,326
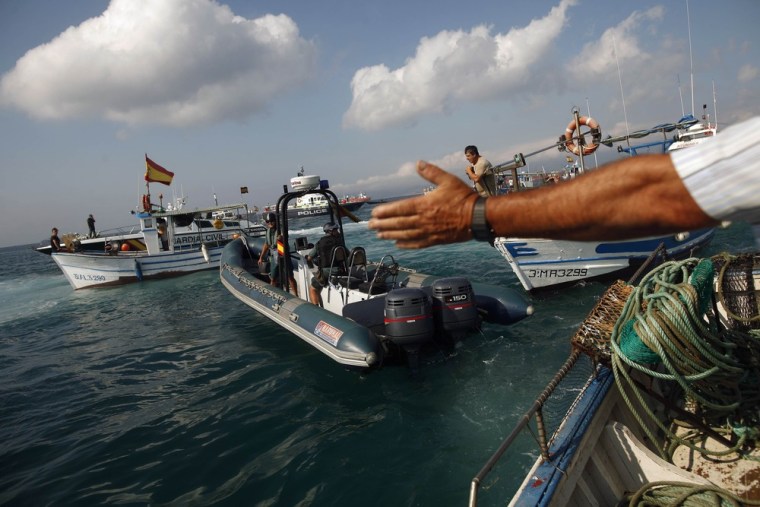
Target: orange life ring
x,y
596,135
146,202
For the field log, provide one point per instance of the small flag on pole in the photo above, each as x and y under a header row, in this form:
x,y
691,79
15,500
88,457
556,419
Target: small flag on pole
x,y
157,174
243,190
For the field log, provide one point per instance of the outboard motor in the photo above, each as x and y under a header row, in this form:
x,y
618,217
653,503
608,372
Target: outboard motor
x,y
408,316
409,320
454,306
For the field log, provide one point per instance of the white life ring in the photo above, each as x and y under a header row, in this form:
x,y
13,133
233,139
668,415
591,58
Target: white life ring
x,y
596,135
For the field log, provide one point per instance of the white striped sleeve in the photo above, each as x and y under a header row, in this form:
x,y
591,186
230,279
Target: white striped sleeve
x,y
723,174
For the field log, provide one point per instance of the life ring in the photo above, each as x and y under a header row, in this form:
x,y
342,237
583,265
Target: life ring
x,y
596,135
146,202
218,224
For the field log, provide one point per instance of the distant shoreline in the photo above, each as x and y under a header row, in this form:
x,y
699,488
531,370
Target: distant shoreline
x,y
390,199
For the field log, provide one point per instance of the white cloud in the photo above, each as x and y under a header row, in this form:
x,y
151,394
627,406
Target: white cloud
x,y
168,62
747,73
451,67
645,75
617,44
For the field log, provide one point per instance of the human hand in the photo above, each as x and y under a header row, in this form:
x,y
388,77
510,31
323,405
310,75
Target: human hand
x,y
440,216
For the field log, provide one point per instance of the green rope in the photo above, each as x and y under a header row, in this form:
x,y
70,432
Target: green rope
x,y
684,494
663,333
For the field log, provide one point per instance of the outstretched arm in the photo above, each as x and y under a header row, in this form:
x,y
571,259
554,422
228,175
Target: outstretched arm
x,y
634,197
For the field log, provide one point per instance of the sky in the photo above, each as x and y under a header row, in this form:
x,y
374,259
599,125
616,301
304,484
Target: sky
x,y
245,93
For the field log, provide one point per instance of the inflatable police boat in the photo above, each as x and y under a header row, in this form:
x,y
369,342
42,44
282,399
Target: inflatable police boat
x,y
370,313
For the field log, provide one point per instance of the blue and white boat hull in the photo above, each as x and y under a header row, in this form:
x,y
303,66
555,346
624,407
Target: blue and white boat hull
x,y
543,263
91,269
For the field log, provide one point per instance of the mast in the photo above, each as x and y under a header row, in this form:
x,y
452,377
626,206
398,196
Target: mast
x,y
622,96
715,107
691,57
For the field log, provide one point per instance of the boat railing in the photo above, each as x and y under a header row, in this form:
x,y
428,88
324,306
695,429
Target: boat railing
x,y
541,421
386,268
545,416
120,231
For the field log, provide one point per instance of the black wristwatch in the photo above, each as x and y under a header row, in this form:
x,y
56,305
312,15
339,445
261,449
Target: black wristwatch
x,y
481,229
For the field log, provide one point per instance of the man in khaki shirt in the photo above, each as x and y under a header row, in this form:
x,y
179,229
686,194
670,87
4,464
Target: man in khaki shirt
x,y
480,172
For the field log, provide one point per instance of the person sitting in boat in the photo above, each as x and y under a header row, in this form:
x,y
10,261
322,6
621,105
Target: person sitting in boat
x,y
322,255
55,241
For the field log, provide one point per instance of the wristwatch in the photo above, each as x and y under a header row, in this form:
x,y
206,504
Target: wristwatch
x,y
481,229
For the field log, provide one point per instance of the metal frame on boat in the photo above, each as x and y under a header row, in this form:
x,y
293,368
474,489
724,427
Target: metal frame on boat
x,y
371,312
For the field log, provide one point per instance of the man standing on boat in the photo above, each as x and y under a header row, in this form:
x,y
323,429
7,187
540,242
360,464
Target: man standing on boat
x,y
270,244
268,254
322,255
91,227
55,241
480,172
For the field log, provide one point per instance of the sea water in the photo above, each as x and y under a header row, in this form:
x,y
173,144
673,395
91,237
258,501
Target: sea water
x,y
172,392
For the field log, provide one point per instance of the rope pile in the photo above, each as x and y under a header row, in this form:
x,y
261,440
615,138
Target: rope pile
x,y
684,494
663,333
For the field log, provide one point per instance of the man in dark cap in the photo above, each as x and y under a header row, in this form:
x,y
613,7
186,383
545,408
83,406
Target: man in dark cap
x,y
321,254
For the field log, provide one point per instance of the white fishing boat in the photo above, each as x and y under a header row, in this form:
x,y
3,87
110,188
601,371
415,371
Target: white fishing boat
x,y
645,412
370,312
227,220
694,135
167,243
542,263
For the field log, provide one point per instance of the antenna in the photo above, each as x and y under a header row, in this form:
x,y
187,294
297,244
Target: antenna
x,y
680,94
622,96
691,57
715,106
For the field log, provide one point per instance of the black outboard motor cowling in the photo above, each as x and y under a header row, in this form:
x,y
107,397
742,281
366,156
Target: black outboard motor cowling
x,y
408,317
454,305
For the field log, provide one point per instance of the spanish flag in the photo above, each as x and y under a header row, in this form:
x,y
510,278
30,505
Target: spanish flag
x,y
156,173
280,246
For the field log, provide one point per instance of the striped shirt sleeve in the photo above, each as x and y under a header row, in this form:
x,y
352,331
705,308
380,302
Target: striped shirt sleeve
x,y
723,173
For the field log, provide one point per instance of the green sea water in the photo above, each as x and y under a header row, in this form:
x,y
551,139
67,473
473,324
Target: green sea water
x,y
172,392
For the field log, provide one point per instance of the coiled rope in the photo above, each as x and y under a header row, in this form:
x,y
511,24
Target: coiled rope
x,y
663,333
684,494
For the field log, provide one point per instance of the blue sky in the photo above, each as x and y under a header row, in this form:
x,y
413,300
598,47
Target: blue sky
x,y
244,93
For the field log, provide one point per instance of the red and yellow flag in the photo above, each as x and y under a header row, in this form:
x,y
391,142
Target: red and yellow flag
x,y
280,246
157,174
